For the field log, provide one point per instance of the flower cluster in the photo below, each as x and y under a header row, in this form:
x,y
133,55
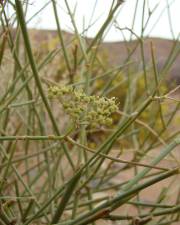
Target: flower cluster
x,y
84,109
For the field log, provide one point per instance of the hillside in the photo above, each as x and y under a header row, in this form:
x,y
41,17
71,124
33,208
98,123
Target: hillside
x,y
118,51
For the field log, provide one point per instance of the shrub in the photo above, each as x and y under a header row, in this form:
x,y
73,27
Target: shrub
x,y
83,142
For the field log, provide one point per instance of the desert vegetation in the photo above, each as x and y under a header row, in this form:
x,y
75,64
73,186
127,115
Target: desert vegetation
x,y
84,140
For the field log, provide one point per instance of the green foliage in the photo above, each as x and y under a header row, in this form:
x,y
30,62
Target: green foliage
x,y
83,141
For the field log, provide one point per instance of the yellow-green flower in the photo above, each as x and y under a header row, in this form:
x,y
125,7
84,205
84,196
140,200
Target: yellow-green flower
x,y
91,110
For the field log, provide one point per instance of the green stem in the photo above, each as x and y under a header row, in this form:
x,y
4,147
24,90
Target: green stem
x,y
65,198
20,16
